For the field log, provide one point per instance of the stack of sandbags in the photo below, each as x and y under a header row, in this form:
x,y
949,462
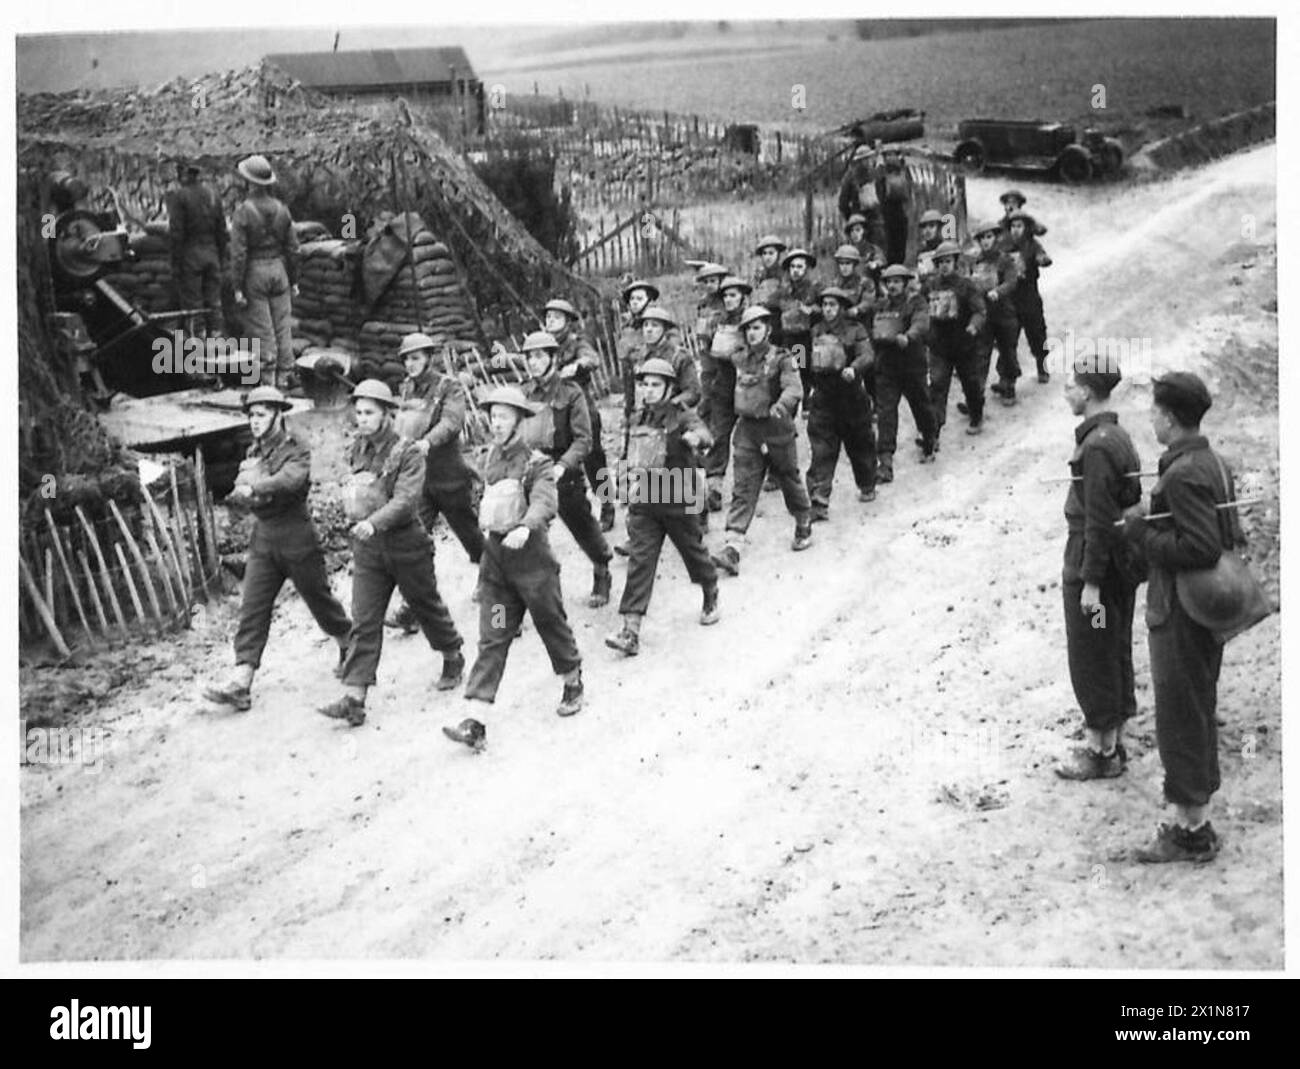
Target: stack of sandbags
x,y
440,291
327,308
147,280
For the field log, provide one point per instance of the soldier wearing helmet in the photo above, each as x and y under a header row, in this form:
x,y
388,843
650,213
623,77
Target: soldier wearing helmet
x,y
200,246
839,412
432,415
272,483
857,196
720,384
1013,201
871,257
664,498
1186,652
659,342
768,275
576,358
796,309
264,269
562,430
708,313
850,278
518,572
929,237
768,391
996,276
899,325
957,313
390,549
1030,258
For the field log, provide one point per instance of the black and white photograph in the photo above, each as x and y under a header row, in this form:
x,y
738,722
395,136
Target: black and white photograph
x,y
626,492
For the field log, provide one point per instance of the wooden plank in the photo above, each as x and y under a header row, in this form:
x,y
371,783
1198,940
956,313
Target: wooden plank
x,y
130,584
134,547
164,538
94,594
42,609
178,534
69,577
104,574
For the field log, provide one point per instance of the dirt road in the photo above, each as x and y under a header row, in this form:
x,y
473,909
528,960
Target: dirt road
x,y
853,767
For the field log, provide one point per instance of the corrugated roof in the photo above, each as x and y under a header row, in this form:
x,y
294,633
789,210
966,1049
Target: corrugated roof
x,y
374,67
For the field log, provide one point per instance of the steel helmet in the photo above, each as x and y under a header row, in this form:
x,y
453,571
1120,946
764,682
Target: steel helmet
x,y
862,152
1222,598
656,313
374,390
540,339
1014,194
257,169
711,271
754,313
930,216
415,343
986,228
735,282
509,395
840,295
795,253
946,248
266,395
848,252
657,366
897,271
558,304
1020,213
641,284
770,241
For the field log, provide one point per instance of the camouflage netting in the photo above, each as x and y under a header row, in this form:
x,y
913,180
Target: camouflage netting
x,y
338,165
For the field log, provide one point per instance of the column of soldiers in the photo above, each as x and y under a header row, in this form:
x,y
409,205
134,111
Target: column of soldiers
x,y
767,347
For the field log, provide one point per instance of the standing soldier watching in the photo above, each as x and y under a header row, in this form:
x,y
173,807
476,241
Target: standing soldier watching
x,y
273,482
1030,257
894,195
432,415
767,394
663,491
708,313
956,319
200,246
518,573
1098,589
719,384
576,359
1185,656
899,325
390,548
996,276
856,198
839,412
264,269
561,430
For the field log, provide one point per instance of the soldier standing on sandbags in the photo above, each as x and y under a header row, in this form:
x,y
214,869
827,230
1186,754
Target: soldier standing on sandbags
x,y
1030,257
839,412
518,572
767,393
957,313
1185,655
562,430
663,493
432,414
390,548
200,247
1098,592
899,325
719,384
272,483
996,276
576,359
264,269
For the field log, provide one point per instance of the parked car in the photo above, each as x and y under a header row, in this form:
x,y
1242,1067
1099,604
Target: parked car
x,y
1037,146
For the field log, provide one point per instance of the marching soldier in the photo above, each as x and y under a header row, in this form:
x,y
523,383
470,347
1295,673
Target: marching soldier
x,y
272,482
390,548
264,267
768,276
1014,201
518,571
797,300
862,290
930,230
996,276
576,359
767,394
1185,656
658,330
638,295
708,312
562,430
871,257
661,464
718,375
899,325
1099,595
838,410
957,315
432,415
1030,257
